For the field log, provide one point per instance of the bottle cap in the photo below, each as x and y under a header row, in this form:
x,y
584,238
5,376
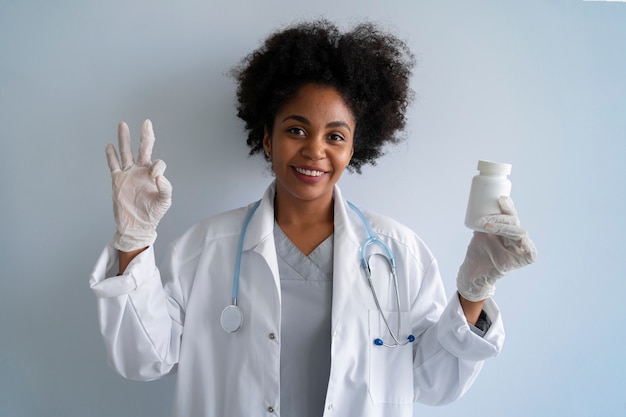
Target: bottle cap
x,y
493,168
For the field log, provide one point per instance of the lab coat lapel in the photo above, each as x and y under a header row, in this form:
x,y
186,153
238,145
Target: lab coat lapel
x,y
346,267
260,234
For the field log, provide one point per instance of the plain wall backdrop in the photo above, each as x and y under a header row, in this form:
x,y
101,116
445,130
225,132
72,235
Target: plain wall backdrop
x,y
538,84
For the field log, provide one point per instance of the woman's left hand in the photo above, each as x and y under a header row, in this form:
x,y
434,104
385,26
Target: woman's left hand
x,y
505,247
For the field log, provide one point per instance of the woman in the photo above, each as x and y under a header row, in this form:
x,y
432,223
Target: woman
x,y
310,334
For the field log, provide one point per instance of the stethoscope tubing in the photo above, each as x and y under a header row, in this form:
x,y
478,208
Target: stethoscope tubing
x,y
242,235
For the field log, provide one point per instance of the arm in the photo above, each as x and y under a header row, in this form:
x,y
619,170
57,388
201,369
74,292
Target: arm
x,y
449,354
140,321
140,332
471,309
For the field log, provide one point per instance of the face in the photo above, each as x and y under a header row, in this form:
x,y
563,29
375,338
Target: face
x,y
311,144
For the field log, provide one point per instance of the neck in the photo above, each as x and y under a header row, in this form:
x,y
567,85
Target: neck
x,y
306,223
303,213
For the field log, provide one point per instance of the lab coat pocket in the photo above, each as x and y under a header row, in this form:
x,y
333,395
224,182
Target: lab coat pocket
x,y
391,368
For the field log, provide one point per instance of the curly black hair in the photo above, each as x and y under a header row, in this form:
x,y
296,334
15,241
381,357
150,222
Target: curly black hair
x,y
367,66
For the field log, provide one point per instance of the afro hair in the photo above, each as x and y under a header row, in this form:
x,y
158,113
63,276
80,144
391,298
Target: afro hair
x,y
370,69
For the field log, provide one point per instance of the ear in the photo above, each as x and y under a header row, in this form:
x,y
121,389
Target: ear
x,y
267,142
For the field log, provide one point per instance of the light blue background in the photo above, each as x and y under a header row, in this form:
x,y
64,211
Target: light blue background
x,y
539,84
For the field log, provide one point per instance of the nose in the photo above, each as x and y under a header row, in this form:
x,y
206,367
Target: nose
x,y
314,148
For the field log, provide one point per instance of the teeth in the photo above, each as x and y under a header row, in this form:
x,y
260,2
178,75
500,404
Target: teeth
x,y
309,172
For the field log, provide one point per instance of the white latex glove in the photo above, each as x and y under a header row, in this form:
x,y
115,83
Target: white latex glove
x,y
491,255
141,194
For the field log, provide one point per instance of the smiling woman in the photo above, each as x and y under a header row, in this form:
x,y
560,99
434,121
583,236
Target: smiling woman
x,y
370,341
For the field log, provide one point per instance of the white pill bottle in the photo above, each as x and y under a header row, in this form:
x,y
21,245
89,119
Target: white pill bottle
x,y
491,182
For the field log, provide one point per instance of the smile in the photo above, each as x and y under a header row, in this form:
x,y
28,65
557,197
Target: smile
x,y
309,172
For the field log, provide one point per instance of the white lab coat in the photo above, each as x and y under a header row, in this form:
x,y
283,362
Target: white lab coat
x,y
151,329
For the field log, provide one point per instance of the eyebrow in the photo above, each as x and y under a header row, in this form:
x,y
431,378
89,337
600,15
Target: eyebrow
x,y
306,121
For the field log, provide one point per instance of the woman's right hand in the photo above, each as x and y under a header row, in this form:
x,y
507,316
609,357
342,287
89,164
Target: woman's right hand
x,y
141,194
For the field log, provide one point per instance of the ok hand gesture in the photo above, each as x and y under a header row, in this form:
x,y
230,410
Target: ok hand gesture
x,y
141,194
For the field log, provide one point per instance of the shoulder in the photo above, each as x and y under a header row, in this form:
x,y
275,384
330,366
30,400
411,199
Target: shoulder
x,y
226,225
398,235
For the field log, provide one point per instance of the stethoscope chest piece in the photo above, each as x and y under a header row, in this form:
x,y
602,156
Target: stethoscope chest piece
x,y
232,318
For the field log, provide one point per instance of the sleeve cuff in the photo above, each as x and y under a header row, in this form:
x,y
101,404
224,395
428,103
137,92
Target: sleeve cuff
x,y
105,283
482,325
458,337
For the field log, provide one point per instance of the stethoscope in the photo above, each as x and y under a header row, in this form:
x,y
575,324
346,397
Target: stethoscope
x,y
232,315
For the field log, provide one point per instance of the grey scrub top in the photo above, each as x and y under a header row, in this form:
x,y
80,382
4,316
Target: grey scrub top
x,y
306,286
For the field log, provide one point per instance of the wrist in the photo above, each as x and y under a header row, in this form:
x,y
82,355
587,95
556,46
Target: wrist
x,y
471,309
125,258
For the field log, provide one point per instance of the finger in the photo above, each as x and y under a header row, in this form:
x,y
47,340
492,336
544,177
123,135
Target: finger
x,y
126,152
146,143
507,206
157,168
112,160
530,251
497,218
509,231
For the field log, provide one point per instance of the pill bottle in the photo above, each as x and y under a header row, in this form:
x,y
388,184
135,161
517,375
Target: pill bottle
x,y
487,187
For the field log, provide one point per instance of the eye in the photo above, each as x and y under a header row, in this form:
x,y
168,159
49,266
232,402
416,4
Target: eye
x,y
296,131
335,137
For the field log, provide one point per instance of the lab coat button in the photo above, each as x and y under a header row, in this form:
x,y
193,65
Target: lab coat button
x,y
270,409
272,336
330,407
